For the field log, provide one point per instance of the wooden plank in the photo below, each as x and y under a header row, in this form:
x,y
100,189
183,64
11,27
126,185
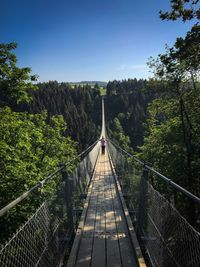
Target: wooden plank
x,y
85,249
74,251
87,243
98,255
112,243
113,253
84,254
127,258
127,254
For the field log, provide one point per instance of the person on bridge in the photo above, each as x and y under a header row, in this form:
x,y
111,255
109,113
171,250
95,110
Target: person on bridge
x,y
103,145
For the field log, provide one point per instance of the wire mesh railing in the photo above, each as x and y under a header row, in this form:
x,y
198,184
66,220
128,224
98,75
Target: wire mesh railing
x,y
45,238
166,237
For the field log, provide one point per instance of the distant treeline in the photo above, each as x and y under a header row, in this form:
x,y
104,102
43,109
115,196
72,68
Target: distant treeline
x,y
79,106
91,83
126,107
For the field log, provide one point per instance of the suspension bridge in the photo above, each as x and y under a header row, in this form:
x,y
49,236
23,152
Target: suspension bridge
x,y
104,212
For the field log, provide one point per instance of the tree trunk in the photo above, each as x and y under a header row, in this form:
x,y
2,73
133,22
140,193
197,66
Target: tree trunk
x,y
187,136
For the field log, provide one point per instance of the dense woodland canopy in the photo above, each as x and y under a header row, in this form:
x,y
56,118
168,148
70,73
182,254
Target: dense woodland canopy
x,y
126,106
172,140
44,124
41,126
163,128
161,116
79,105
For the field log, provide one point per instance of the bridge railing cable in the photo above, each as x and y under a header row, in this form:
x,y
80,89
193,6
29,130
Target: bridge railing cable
x,y
163,177
41,183
53,206
166,237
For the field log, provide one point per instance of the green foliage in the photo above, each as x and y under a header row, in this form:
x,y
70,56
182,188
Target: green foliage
x,y
180,64
14,81
127,100
31,145
102,91
173,147
30,149
34,135
96,86
125,86
164,139
118,135
165,111
185,9
79,106
172,131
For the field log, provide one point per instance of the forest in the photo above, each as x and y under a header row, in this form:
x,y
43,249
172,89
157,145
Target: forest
x,y
41,126
157,119
160,117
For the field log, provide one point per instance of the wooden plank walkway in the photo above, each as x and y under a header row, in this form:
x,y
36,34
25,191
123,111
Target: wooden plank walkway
x,y
103,238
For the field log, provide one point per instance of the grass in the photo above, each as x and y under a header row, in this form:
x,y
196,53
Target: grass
x,y
102,91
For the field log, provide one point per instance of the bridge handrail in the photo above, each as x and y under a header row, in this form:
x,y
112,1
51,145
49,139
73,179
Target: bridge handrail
x,y
163,177
42,182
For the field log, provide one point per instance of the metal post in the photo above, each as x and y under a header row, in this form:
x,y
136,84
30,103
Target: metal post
x,y
143,203
141,215
68,197
169,192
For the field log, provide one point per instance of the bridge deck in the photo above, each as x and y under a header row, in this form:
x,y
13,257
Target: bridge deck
x,y
103,238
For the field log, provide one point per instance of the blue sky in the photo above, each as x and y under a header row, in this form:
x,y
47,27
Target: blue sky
x,y
75,40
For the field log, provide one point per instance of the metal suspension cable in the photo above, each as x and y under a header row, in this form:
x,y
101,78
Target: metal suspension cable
x,y
41,183
163,177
